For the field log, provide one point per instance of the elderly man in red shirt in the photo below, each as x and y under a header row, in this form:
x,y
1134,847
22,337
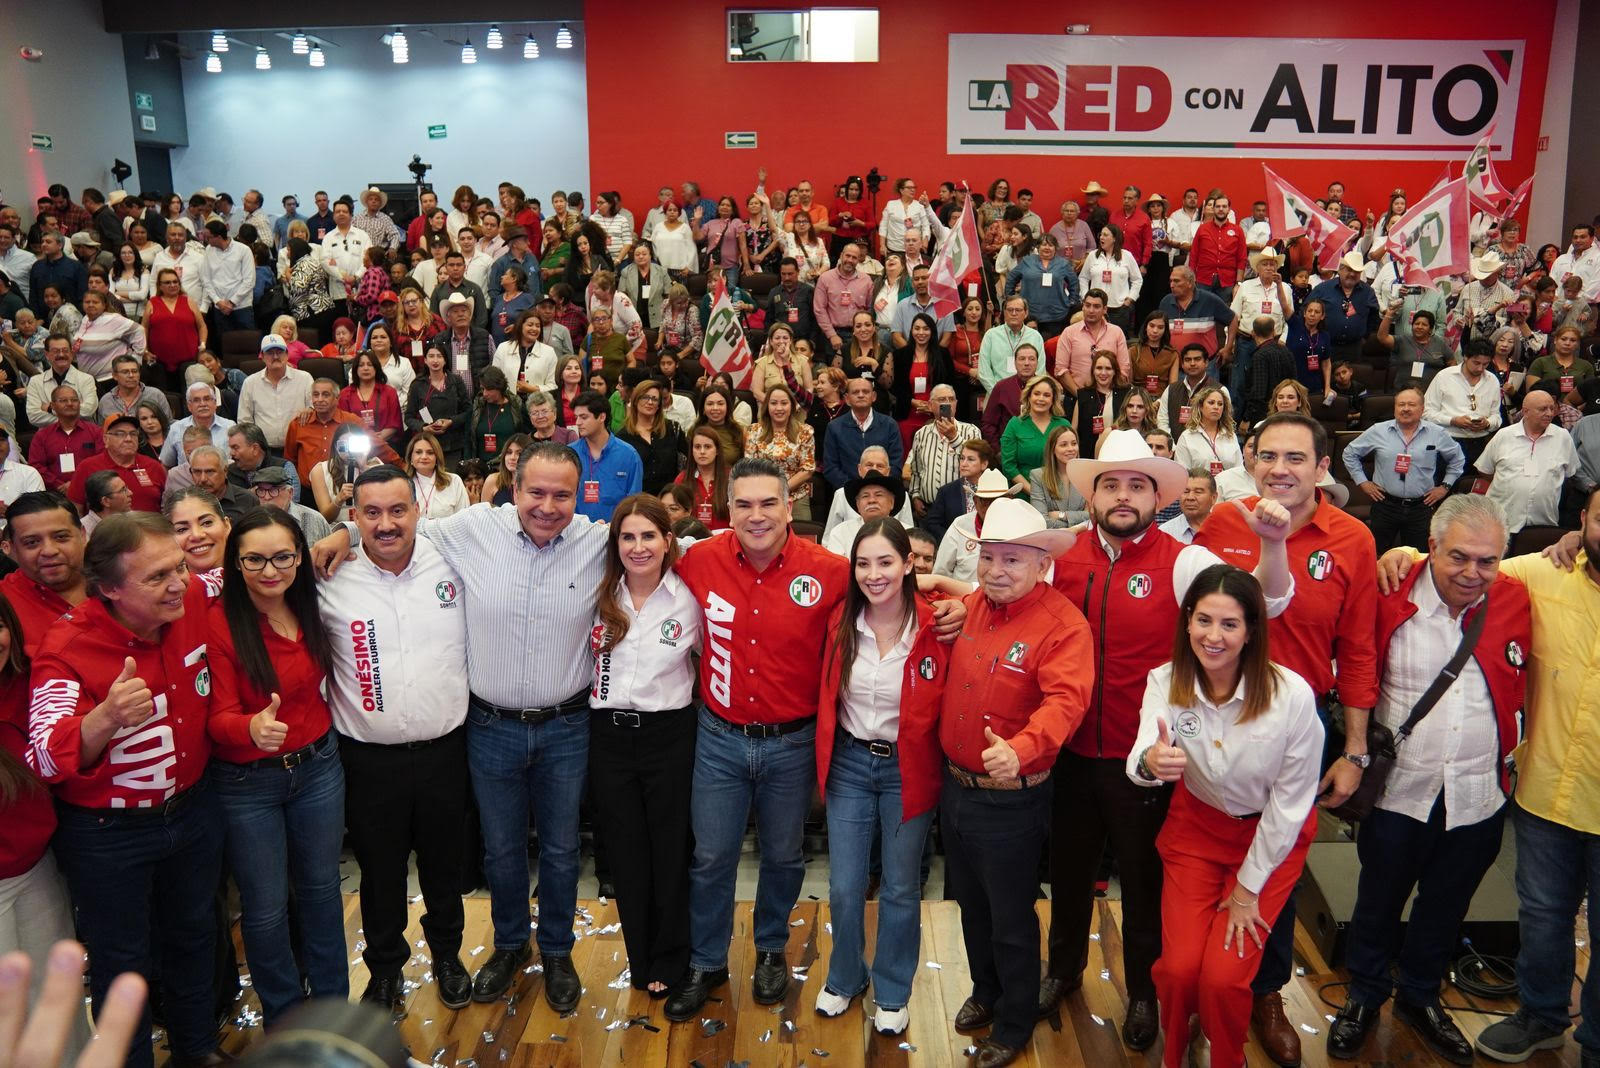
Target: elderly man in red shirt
x,y
1016,688
1135,225
1219,253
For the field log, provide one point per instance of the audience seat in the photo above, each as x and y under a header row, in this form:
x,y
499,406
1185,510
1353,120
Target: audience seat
x,y
251,366
1334,417
325,367
238,344
758,284
1534,539
309,337
1375,379
1375,409
805,528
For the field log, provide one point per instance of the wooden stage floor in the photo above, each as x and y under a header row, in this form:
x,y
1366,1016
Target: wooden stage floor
x,y
616,1025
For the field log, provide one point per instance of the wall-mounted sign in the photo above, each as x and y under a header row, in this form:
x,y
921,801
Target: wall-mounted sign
x,y
41,142
739,139
144,101
436,133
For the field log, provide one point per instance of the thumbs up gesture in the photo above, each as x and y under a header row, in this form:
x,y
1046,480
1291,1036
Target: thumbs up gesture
x,y
129,701
265,730
1000,760
1163,759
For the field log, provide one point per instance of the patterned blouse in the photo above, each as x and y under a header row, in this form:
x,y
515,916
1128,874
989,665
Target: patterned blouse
x,y
681,327
792,457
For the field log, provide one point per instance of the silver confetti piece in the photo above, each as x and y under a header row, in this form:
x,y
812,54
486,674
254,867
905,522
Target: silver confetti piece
x,y
602,901
467,1062
488,1037
1300,970
815,1052
936,966
969,1051
709,1027
828,927
557,1038
616,1024
1329,1017
797,923
788,1025
1105,973
1095,937
438,1054
1308,1029
600,1013
766,1037
1096,1019
416,899
622,981
476,951
908,1047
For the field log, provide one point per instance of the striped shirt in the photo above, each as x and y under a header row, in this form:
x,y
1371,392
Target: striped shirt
x,y
936,460
528,609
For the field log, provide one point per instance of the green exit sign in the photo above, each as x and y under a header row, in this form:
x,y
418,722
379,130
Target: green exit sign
x,y
436,133
739,139
42,142
144,101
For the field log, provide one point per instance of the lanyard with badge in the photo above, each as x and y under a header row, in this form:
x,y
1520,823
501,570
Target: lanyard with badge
x,y
1402,460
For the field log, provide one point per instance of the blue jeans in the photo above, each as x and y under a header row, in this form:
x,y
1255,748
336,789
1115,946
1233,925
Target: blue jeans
x,y
863,801
143,884
285,828
1556,867
730,772
515,766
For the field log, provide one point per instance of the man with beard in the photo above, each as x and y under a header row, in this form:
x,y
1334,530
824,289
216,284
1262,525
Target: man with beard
x,y
1130,579
1331,620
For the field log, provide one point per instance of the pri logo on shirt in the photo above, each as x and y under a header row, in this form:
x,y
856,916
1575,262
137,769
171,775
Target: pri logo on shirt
x,y
926,668
202,682
1188,724
1140,586
1514,655
1319,565
805,590
446,592
671,631
1015,654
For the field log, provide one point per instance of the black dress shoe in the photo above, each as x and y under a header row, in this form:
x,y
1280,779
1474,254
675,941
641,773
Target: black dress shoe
x,y
608,889
499,972
1437,1030
771,980
686,1000
383,990
562,987
974,1015
1140,1028
1052,989
455,985
994,1054
1350,1030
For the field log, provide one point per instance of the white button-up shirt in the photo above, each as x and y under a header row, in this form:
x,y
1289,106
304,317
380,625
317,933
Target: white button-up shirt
x,y
869,706
1456,747
399,643
1252,299
650,670
1450,395
898,215
1528,473
230,274
344,254
17,262
271,405
1270,765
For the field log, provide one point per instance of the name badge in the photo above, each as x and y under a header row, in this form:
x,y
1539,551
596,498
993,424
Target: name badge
x,y
972,289
68,463
1418,368
461,361
919,385
794,314
425,415
416,348
591,492
1183,415
1105,277
597,362
1152,383
1178,326
367,417
1313,361
644,291
143,476
1098,424
1266,307
1216,468
1402,463
704,512
1566,383
1047,279
490,441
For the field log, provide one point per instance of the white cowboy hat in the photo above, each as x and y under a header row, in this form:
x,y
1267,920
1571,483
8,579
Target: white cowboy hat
x,y
383,198
992,484
1485,266
455,300
1013,522
1126,450
1335,491
1354,261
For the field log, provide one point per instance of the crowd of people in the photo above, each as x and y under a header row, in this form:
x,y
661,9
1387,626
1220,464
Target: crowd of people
x,y
1072,569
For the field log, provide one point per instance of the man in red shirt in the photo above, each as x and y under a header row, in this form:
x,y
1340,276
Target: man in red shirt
x,y
1333,619
1016,687
766,596
45,539
144,476
817,212
1219,253
57,448
117,722
1135,226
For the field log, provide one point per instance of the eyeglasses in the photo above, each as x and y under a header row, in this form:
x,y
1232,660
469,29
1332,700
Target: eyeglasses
x,y
266,490
279,561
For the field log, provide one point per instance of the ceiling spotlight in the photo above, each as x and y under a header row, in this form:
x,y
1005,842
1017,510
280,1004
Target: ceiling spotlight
x,y
213,63
563,37
263,61
530,48
301,44
468,53
317,58
494,39
219,41
398,44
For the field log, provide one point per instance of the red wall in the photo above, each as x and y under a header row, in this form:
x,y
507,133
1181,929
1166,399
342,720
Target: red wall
x,y
661,95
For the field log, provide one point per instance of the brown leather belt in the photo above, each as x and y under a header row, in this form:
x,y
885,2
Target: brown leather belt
x,y
966,778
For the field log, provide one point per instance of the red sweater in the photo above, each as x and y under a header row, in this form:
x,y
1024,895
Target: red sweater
x,y
28,821
235,699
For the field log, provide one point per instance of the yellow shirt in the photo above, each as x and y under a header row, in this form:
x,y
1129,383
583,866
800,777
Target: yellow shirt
x,y
1558,762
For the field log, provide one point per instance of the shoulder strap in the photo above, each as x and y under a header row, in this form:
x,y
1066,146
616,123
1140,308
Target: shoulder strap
x,y
1469,641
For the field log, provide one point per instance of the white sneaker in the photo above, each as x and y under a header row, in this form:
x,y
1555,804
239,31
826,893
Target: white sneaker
x,y
891,1021
831,1004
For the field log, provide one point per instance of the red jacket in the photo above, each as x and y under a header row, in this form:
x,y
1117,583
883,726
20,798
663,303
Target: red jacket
x,y
1133,615
1217,252
920,756
1501,652
29,819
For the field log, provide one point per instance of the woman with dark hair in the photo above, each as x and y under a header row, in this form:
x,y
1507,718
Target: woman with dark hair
x,y
972,322
865,354
661,446
496,416
678,500
1112,268
461,203
780,435
707,478
1099,401
588,257
200,526
438,492
305,283
276,761
153,426
35,911
175,331
1154,360
878,767
1244,812
716,414
438,404
852,217
370,397
642,737
1309,345
497,488
913,372
1158,272
514,300
995,203
130,282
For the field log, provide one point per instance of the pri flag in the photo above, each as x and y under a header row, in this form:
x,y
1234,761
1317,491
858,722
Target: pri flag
x,y
959,258
725,348
1518,198
1292,213
1483,187
1430,240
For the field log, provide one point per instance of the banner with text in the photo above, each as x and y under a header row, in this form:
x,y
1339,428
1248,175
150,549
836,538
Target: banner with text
x,y
1203,96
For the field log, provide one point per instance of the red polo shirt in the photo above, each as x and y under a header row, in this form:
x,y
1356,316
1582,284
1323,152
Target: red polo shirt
x,y
765,630
37,607
1333,615
145,477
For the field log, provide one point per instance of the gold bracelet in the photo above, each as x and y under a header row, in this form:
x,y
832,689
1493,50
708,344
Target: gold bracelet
x,y
1242,904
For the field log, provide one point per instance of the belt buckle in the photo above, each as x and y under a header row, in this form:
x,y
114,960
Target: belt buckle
x,y
293,760
880,748
530,715
754,730
626,719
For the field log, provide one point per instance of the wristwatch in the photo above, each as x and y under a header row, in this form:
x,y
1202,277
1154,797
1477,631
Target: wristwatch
x,y
1360,760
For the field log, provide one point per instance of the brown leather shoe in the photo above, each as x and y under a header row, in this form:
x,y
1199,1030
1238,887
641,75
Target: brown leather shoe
x,y
974,1015
1052,990
1277,1035
994,1055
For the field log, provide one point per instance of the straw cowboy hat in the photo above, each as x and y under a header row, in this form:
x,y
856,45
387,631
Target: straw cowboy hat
x,y
992,485
455,300
1487,265
1337,492
1126,450
1095,187
372,190
1013,522
1354,261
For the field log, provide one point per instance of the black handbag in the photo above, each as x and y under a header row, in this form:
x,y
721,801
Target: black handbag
x,y
1382,743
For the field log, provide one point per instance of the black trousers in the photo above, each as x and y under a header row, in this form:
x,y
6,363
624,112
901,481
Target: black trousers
x,y
1473,448
1446,866
1096,805
640,778
401,799
992,841
1400,521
